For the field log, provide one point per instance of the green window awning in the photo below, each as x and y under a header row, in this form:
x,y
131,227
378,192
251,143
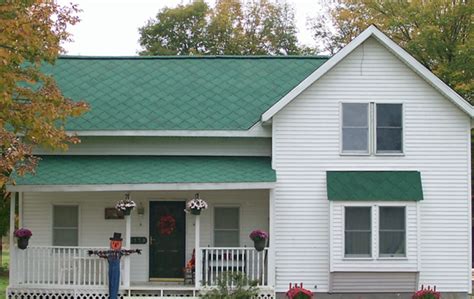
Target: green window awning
x,y
104,170
374,185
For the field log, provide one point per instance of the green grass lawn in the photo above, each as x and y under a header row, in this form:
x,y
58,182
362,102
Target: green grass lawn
x,y
4,273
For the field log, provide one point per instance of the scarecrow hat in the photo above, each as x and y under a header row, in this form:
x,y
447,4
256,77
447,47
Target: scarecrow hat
x,y
116,237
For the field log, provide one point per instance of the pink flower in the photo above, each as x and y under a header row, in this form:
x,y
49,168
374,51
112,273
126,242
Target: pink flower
x,y
23,233
258,235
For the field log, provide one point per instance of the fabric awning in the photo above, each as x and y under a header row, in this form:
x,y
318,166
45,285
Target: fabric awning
x,y
374,185
142,170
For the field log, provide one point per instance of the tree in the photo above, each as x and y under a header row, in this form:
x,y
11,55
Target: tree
x,y
439,33
233,27
33,110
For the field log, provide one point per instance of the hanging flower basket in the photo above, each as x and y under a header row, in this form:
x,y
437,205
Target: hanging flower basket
x,y
23,235
259,238
125,205
196,205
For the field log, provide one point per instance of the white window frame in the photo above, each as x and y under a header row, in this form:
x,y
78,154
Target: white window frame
x,y
401,153
372,123
79,241
375,248
341,127
213,221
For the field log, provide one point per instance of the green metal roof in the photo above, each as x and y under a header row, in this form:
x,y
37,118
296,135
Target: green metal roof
x,y
100,170
374,185
178,92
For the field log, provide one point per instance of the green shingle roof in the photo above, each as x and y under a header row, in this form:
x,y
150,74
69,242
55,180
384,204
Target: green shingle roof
x,y
177,93
100,170
374,185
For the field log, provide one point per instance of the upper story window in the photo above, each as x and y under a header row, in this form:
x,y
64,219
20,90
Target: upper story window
x,y
372,128
389,128
355,127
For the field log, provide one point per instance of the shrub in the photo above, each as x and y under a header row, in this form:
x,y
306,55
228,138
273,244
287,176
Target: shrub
x,y
233,285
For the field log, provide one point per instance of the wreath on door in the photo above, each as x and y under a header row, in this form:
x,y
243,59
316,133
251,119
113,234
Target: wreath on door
x,y
167,225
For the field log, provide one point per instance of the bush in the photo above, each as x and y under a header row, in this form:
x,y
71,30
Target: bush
x,y
233,285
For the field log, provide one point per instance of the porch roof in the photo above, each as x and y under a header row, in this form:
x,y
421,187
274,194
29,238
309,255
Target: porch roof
x,y
103,173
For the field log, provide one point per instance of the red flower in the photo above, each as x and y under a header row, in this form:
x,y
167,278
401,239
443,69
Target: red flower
x,y
167,225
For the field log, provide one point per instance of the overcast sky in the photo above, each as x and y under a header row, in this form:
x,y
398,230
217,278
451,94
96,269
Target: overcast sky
x,y
110,27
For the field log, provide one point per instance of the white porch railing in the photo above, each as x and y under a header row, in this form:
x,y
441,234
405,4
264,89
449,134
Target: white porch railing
x,y
216,261
58,266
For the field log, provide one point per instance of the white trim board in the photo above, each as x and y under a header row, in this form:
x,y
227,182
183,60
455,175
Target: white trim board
x,y
257,130
398,51
142,187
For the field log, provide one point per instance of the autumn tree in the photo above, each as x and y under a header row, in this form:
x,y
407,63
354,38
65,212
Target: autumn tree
x,y
439,33
33,110
232,27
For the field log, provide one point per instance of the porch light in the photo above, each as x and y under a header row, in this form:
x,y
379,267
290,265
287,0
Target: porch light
x,y
141,209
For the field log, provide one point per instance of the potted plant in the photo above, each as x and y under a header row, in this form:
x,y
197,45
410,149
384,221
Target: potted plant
x,y
196,205
23,235
298,292
259,238
125,205
427,293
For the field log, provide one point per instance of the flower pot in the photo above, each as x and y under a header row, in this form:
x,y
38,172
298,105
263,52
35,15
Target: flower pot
x,y
23,242
195,212
260,244
127,211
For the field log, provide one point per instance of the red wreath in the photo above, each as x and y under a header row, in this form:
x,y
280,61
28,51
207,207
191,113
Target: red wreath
x,y
167,225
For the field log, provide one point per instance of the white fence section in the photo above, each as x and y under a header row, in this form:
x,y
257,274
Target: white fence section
x,y
58,266
217,262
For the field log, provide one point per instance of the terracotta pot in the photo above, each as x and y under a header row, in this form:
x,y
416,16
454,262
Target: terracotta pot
x,y
23,242
195,212
260,244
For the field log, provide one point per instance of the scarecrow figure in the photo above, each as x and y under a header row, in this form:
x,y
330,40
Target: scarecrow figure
x,y
113,257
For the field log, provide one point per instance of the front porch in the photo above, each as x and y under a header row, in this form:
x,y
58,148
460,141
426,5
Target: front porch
x,y
44,267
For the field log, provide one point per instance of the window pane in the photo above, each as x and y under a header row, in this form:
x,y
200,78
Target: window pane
x,y
226,218
389,115
226,238
392,243
65,216
389,139
65,237
354,115
392,218
357,243
392,231
357,218
355,139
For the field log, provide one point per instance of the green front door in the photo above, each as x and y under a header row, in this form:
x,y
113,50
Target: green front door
x,y
167,239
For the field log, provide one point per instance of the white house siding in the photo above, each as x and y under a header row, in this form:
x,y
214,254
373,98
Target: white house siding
x,y
94,230
306,143
366,282
194,146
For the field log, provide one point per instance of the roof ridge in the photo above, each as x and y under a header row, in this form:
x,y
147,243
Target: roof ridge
x,y
183,57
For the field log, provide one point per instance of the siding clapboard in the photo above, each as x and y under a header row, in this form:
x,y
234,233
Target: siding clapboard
x,y
367,282
306,141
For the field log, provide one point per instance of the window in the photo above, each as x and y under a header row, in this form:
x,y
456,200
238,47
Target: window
x,y
65,225
392,231
389,128
358,232
355,127
226,226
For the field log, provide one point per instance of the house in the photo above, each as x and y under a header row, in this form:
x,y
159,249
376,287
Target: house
x,y
357,165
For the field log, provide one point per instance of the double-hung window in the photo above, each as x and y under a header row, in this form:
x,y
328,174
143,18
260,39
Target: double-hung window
x,y
226,226
372,128
358,231
355,127
65,225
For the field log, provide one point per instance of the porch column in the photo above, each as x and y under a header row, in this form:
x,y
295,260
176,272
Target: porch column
x,y
128,243
271,249
12,239
197,253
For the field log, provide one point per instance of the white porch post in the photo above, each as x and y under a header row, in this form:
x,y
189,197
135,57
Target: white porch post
x,y
128,244
271,249
197,253
12,238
